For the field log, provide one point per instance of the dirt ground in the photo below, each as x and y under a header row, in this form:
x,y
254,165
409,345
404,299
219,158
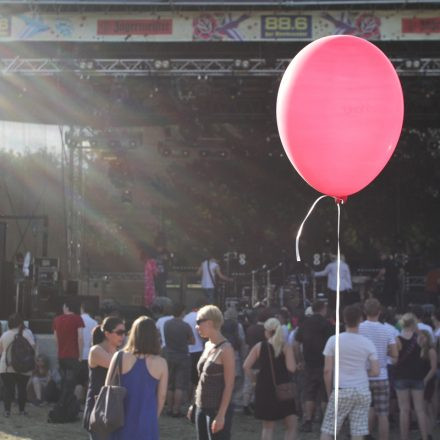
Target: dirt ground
x,y
34,427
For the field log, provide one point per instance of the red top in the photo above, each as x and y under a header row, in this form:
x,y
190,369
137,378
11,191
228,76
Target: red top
x,y
67,327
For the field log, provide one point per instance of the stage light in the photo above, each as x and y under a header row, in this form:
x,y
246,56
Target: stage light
x,y
245,64
158,64
166,64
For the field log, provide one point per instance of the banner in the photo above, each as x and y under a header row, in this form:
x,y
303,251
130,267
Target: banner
x,y
172,3
233,26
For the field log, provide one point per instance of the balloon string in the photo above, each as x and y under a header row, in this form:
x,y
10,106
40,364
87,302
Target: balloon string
x,y
298,235
338,284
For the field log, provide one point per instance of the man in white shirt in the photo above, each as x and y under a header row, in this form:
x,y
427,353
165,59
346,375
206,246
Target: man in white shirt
x,y
385,344
331,272
209,270
356,353
89,325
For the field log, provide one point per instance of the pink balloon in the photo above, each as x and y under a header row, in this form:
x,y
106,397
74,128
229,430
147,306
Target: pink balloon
x,y
340,113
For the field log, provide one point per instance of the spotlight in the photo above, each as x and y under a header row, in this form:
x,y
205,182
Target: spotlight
x,y
245,64
237,63
416,64
158,64
166,64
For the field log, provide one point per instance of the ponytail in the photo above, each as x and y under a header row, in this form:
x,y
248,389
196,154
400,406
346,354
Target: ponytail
x,y
273,326
108,325
97,335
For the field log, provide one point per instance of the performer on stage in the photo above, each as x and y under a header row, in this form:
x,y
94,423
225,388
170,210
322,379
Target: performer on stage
x,y
150,273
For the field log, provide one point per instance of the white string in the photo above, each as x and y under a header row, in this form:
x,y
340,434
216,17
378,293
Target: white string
x,y
338,282
298,235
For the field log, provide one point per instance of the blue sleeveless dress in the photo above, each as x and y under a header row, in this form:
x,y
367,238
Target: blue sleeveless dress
x,y
141,422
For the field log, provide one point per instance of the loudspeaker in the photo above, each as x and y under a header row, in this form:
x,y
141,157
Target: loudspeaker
x,y
52,305
7,289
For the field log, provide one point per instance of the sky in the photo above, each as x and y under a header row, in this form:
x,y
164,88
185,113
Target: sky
x,y
20,137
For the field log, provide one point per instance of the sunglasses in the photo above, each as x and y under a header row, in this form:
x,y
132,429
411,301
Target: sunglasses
x,y
120,332
199,321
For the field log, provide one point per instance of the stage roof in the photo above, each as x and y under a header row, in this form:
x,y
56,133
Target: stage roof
x,y
173,3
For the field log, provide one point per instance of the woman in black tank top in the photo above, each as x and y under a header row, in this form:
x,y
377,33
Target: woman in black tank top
x,y
409,375
106,339
216,369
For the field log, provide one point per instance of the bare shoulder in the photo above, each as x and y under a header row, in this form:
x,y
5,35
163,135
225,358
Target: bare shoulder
x,y
157,360
227,349
96,349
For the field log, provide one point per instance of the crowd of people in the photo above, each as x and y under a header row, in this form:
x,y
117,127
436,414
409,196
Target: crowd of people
x,y
276,364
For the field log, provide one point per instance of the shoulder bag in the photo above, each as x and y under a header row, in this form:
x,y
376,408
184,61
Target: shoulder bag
x,y
108,412
283,391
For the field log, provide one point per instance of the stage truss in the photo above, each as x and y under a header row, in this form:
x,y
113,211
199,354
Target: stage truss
x,y
190,67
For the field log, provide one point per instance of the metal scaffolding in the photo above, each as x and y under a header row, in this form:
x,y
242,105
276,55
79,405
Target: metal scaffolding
x,y
191,67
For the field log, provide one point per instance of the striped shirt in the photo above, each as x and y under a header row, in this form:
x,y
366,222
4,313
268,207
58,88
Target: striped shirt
x,y
381,338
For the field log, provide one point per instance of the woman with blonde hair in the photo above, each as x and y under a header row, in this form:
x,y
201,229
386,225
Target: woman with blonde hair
x,y
276,362
409,375
145,377
216,369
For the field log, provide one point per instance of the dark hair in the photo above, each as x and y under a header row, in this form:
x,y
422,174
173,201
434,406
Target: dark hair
x,y
352,315
15,321
70,304
372,307
318,305
108,325
143,337
178,309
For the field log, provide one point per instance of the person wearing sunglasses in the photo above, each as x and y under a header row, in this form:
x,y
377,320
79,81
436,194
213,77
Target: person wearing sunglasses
x,y
216,369
106,339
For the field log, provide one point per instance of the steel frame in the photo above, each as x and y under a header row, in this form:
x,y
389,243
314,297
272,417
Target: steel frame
x,y
191,67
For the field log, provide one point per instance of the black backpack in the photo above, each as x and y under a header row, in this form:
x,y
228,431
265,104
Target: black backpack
x,y
65,411
20,354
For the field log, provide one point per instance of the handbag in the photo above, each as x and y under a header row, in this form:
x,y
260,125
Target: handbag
x,y
108,412
283,391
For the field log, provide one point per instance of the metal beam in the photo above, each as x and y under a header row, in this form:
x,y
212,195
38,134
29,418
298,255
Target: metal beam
x,y
192,67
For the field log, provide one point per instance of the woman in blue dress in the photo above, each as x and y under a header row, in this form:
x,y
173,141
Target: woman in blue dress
x,y
145,376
